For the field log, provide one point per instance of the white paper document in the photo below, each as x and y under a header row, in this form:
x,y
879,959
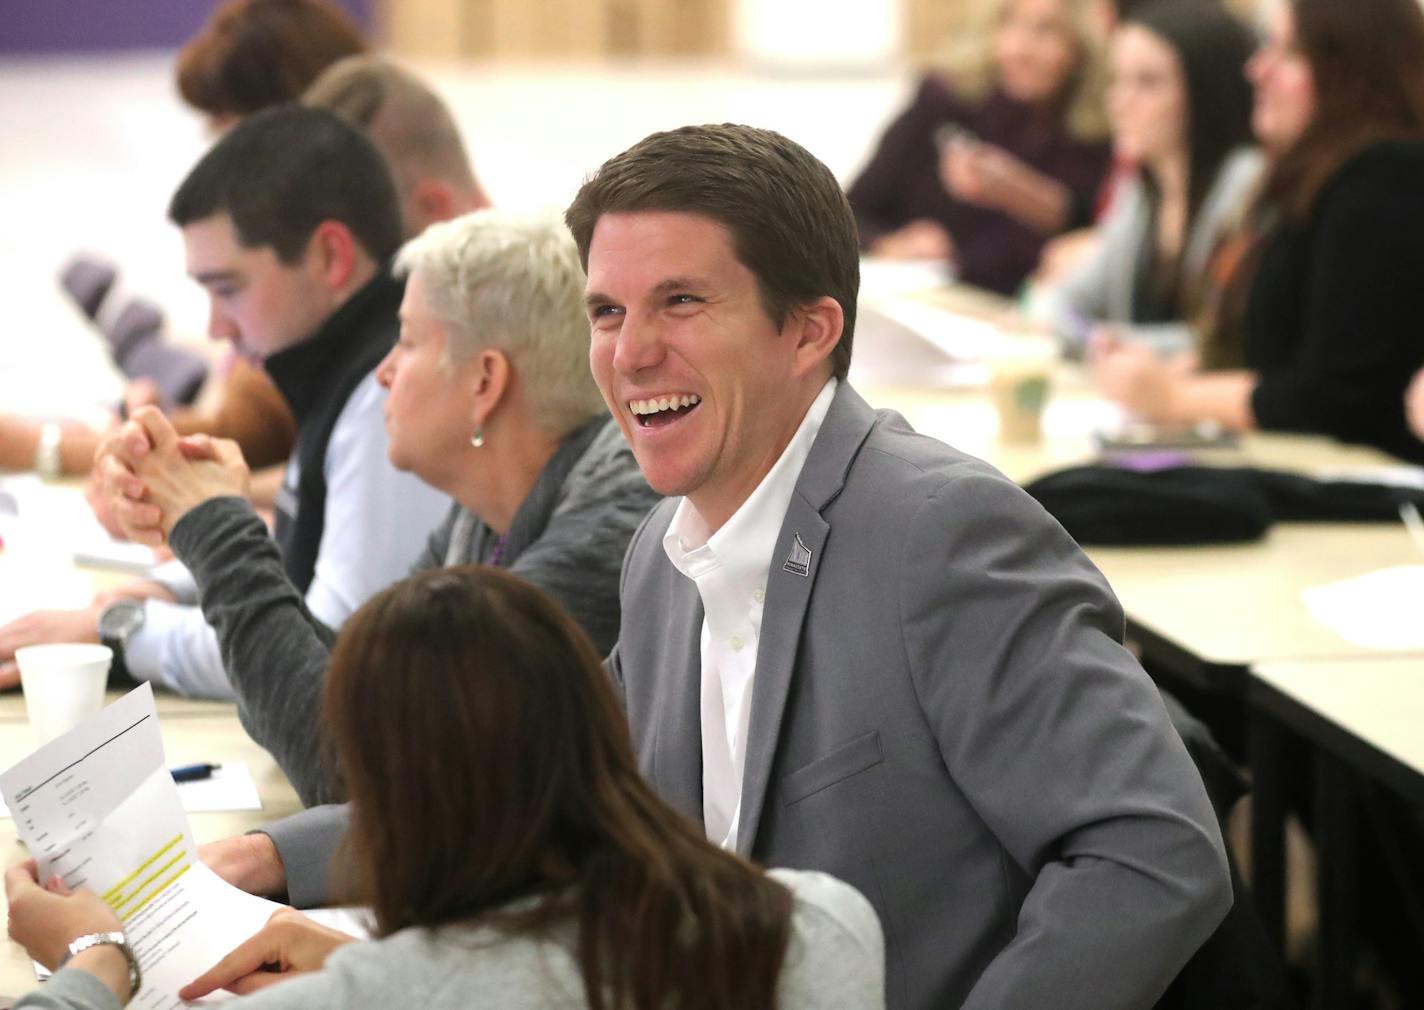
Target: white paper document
x,y
99,808
46,514
231,787
1378,610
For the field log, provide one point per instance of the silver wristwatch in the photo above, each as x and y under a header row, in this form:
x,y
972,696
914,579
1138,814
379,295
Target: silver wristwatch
x,y
49,464
83,943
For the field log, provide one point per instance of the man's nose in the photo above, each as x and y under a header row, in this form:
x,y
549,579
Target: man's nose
x,y
640,344
220,325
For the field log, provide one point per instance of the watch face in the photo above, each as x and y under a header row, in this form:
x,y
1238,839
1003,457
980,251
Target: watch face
x,y
121,619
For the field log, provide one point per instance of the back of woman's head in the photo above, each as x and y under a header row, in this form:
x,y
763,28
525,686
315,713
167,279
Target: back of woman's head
x,y
487,759
1366,61
1212,47
252,54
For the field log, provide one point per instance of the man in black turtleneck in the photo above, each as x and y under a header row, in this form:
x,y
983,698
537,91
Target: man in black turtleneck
x,y
287,224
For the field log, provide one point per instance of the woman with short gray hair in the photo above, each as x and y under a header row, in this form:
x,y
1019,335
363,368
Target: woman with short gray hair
x,y
490,400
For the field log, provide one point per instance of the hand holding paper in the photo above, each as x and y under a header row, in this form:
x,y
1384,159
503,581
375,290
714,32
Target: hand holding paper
x,y
98,808
45,920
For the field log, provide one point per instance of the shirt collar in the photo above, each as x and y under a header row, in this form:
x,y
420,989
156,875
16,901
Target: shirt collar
x,y
742,547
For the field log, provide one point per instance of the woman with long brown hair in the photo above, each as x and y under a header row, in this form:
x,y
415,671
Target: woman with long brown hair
x,y
510,852
1325,305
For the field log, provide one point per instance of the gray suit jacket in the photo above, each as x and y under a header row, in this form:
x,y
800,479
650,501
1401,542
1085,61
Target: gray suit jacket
x,y
943,716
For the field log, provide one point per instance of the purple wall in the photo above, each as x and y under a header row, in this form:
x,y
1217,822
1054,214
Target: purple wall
x,y
87,26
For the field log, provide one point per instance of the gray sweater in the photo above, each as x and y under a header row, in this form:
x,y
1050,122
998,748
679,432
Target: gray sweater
x,y
568,537
835,961
1101,291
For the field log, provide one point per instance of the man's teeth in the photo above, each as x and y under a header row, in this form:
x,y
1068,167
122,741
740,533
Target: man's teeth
x,y
661,403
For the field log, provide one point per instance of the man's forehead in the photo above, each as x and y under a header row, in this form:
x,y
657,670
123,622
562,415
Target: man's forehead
x,y
653,247
211,243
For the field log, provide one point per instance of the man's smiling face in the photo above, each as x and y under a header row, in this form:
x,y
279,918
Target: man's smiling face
x,y
701,380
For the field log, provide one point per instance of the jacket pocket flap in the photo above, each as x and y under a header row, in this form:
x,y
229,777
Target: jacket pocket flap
x,y
850,758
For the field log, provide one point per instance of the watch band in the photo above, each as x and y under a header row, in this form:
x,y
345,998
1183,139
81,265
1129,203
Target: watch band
x,y
80,944
117,623
49,464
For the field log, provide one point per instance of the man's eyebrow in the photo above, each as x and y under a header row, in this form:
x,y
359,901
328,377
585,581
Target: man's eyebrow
x,y
680,284
215,276
685,283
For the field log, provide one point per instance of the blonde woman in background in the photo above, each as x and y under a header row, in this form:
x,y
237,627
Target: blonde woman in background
x,y
1004,148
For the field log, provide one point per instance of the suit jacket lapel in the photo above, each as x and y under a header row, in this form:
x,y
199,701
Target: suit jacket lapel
x,y
788,592
677,746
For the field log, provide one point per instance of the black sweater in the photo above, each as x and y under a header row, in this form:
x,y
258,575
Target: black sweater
x,y
1335,321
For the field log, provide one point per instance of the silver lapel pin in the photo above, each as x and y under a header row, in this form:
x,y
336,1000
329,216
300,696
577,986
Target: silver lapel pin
x,y
798,562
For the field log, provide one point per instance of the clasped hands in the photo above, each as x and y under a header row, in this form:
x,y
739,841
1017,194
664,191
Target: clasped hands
x,y
148,477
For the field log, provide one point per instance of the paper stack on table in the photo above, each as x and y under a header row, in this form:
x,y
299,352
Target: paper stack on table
x,y
1377,610
99,808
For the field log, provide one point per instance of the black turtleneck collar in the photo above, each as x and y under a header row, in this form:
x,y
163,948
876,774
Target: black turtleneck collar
x,y
303,371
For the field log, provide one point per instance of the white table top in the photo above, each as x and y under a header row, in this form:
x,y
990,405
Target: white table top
x,y
1377,705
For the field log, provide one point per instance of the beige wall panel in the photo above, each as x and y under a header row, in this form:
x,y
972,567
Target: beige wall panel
x,y
426,28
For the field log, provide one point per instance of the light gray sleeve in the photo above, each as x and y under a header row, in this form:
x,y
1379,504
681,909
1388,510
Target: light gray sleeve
x,y
174,577
308,842
1063,746
178,650
70,989
275,652
835,957
1086,298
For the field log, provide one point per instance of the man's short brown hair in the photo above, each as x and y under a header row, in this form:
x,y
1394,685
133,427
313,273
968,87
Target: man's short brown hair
x,y
790,223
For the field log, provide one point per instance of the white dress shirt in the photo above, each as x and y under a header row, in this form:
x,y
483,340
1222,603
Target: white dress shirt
x,y
730,570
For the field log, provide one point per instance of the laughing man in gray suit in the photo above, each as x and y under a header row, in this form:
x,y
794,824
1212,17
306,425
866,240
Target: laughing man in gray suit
x,y
848,647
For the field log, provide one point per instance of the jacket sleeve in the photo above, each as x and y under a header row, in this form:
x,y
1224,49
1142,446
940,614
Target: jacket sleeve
x,y
1363,304
1063,746
578,558
70,989
275,651
308,842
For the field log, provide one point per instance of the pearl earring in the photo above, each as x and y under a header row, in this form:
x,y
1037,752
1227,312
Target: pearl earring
x,y
478,438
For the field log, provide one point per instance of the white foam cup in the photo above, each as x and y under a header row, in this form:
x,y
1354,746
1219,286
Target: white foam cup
x,y
63,685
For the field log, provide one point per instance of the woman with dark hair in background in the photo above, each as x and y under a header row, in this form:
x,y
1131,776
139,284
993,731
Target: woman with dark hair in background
x,y
1006,149
510,851
1181,111
1326,301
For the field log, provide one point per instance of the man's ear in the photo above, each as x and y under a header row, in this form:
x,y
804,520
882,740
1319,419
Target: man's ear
x,y
334,250
817,328
431,200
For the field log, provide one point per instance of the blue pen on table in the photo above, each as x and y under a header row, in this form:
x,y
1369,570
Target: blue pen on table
x,y
193,773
